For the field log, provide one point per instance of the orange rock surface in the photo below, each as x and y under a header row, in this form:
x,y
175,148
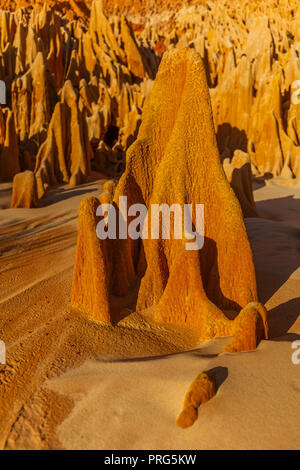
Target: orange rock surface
x,y
175,160
251,54
199,392
251,60
9,152
239,174
72,89
24,191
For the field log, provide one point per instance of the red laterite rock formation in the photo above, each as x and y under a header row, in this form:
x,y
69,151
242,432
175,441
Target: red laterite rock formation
x,y
174,160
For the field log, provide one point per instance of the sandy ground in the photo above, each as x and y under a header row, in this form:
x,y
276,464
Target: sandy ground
x,y
69,383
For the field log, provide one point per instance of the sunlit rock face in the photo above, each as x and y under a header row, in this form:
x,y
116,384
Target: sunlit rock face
x,y
251,53
74,87
175,160
80,72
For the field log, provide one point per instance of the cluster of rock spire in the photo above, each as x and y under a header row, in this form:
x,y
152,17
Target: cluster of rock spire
x,y
77,83
251,52
74,95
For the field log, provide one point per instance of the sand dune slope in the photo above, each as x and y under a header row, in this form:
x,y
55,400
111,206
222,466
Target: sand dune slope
x,y
133,382
134,404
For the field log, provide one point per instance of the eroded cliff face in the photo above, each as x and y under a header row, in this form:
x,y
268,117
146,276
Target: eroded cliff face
x,y
80,72
251,52
74,94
